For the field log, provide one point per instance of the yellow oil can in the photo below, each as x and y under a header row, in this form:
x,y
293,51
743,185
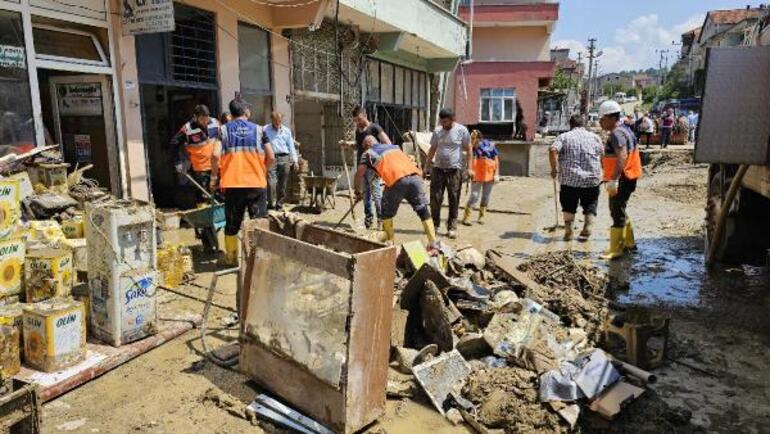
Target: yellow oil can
x,y
73,227
10,206
47,274
10,353
12,252
54,334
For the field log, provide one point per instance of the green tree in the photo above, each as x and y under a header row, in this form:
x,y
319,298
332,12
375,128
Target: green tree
x,y
562,81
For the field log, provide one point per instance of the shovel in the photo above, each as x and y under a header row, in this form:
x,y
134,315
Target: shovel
x,y
555,208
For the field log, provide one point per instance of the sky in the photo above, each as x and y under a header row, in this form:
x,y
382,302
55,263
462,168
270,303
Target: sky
x,y
629,32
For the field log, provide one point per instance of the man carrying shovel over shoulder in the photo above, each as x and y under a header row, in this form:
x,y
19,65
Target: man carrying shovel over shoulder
x,y
402,179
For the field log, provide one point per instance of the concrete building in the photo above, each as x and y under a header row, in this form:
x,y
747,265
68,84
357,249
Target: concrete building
x,y
721,28
509,62
74,73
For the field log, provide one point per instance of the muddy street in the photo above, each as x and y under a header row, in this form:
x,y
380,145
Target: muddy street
x,y
713,375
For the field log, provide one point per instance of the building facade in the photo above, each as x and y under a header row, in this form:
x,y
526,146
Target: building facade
x,y
510,60
72,74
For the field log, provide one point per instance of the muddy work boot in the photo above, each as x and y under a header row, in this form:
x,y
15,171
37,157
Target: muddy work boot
x,y
368,222
616,248
569,223
482,214
467,216
588,225
629,241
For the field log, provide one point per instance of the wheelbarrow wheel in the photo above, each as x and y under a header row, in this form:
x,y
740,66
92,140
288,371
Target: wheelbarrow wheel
x,y
210,240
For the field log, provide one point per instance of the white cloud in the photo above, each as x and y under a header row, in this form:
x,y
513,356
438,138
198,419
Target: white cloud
x,y
634,44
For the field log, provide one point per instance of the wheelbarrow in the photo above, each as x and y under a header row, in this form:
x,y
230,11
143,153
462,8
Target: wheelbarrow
x,y
321,189
207,220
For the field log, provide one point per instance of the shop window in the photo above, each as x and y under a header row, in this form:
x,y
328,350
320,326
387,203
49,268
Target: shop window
x,y
498,105
254,63
373,81
67,45
386,83
17,129
399,85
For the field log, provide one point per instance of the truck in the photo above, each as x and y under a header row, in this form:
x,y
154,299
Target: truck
x,y
733,137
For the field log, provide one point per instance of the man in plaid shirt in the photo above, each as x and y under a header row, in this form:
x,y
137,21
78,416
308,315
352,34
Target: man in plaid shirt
x,y
577,154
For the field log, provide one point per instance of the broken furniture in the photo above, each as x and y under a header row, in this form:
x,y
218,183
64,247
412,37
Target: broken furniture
x,y
644,333
315,320
19,407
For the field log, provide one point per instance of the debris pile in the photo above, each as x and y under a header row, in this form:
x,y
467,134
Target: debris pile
x,y
506,347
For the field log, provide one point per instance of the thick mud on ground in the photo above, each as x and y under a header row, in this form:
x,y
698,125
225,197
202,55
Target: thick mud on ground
x,y
716,373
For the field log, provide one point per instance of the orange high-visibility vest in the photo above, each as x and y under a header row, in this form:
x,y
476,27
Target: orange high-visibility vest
x,y
199,144
390,163
242,164
633,168
485,162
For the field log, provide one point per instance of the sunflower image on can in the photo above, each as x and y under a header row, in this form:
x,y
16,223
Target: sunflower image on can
x,y
12,253
9,206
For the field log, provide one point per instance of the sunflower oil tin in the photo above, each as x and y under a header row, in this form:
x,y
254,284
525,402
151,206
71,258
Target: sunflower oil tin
x,y
73,227
10,206
11,315
124,310
79,251
10,353
54,175
12,252
45,231
54,334
47,274
25,184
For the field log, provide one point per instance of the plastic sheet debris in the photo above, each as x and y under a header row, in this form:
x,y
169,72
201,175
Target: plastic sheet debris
x,y
587,376
469,258
441,376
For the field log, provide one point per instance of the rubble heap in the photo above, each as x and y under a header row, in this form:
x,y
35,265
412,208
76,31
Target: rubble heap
x,y
506,347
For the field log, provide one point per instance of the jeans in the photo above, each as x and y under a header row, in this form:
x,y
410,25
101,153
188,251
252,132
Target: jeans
x,y
692,134
278,178
619,202
372,195
409,188
665,136
571,197
240,200
451,181
483,189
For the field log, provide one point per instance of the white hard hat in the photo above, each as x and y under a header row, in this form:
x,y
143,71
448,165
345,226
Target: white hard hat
x,y
609,107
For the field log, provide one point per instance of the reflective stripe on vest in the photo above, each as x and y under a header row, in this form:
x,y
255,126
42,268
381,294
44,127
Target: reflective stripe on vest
x,y
242,164
199,144
633,168
392,164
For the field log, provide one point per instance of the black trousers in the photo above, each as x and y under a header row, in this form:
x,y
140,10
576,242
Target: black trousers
x,y
586,197
619,202
240,200
451,181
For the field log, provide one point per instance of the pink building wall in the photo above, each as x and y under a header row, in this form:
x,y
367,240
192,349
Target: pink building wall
x,y
525,77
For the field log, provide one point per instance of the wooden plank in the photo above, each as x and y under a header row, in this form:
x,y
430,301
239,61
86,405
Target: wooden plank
x,y
369,351
510,269
103,358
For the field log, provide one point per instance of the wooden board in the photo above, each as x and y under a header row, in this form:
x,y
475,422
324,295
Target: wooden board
x,y
101,358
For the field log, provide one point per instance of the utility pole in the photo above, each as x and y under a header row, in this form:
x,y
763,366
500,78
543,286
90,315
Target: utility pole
x,y
591,52
596,90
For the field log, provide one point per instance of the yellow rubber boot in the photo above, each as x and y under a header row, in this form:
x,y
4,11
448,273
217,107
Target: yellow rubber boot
x,y
616,244
467,215
629,241
387,227
231,250
430,230
482,213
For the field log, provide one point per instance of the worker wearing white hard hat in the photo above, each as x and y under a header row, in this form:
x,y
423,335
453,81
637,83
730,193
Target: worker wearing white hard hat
x,y
622,167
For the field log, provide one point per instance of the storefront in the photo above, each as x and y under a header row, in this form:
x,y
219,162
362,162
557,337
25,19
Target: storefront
x,y
57,85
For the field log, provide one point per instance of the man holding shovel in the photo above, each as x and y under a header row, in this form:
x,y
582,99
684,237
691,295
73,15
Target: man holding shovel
x,y
575,158
402,179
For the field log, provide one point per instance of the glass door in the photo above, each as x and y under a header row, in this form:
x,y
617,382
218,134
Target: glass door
x,y
85,126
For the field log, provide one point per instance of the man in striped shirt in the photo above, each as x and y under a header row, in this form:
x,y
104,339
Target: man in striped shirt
x,y
576,158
